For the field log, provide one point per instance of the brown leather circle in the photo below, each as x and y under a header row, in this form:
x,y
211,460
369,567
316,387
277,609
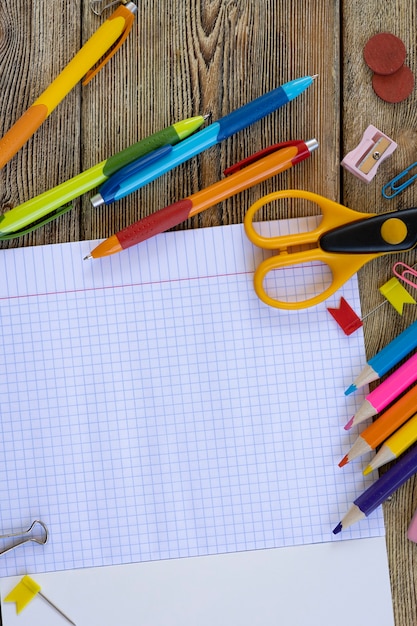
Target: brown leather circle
x,y
384,53
395,87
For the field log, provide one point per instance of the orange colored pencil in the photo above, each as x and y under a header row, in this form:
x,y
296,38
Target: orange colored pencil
x,y
384,426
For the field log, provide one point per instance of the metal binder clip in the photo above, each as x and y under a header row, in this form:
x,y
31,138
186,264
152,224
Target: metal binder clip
x,y
399,182
26,536
364,160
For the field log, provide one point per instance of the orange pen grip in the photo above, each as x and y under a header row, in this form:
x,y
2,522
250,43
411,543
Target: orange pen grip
x,y
21,131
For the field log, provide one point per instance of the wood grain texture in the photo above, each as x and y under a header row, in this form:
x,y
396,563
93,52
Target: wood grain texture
x,y
186,57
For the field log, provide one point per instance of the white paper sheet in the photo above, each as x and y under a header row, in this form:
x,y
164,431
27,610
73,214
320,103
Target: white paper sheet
x,y
153,408
315,585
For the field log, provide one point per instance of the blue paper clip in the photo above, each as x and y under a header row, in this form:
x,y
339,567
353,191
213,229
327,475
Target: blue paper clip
x,y
399,183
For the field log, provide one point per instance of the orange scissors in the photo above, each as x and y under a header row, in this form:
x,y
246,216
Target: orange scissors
x,y
344,241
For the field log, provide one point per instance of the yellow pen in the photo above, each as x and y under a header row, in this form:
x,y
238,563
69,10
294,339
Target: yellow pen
x,y
114,31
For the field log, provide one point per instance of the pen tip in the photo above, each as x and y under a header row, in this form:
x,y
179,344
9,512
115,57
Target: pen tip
x,y
315,76
86,258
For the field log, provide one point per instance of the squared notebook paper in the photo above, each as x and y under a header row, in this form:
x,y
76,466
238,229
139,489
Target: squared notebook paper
x,y
152,408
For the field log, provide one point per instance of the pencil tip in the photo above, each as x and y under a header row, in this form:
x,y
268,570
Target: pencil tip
x,y
350,423
344,461
315,76
367,470
350,390
338,529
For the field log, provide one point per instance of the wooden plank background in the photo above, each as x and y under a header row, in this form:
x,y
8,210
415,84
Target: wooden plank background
x,y
187,57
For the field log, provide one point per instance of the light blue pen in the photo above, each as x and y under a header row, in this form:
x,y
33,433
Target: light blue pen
x,y
387,358
147,169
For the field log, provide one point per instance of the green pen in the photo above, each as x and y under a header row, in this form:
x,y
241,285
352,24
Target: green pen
x,y
49,205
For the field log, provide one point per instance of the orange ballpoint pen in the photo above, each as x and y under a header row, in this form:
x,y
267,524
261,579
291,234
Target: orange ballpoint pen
x,y
105,41
246,174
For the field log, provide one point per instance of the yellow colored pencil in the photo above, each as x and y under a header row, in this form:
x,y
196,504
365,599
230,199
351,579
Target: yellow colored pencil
x,y
395,445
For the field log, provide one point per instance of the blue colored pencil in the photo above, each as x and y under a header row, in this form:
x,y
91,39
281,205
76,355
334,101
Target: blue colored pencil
x,y
387,358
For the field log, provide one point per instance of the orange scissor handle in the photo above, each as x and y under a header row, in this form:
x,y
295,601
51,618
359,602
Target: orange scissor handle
x,y
342,266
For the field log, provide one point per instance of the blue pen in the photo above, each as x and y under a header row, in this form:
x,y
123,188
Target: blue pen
x,y
387,358
145,171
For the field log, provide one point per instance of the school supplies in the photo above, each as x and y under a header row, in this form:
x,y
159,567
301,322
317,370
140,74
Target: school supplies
x,y
381,490
214,133
239,588
386,358
40,210
37,532
400,182
384,426
395,445
157,397
386,392
114,31
402,271
259,167
25,591
373,149
344,241
346,317
396,294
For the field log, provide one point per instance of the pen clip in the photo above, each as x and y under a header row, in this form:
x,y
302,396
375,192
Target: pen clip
x,y
259,155
42,222
128,12
391,188
111,185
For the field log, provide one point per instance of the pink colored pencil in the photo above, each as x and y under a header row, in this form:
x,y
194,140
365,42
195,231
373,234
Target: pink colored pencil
x,y
386,392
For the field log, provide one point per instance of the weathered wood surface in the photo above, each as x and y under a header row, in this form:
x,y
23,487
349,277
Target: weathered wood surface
x,y
186,57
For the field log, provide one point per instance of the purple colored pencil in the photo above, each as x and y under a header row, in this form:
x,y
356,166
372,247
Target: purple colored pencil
x,y
380,490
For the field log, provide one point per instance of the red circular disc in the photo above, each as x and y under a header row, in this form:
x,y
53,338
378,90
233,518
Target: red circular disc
x,y
384,53
395,87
